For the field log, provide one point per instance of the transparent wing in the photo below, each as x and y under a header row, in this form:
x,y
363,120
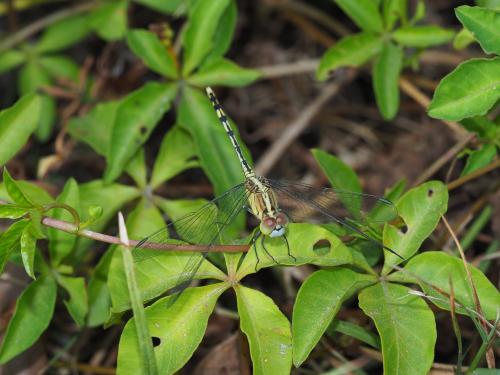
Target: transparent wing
x,y
206,226
353,211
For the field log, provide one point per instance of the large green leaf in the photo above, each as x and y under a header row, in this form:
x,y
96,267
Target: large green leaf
x,y
422,36
95,127
34,309
470,90
16,125
177,153
224,33
421,209
15,191
364,13
479,158
319,299
386,73
406,326
98,292
61,243
267,330
484,24
77,303
353,50
217,156
151,50
438,269
308,243
136,118
223,72
178,329
199,34
156,271
64,33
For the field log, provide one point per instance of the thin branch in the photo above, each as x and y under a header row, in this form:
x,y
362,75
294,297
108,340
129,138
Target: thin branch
x,y
41,23
299,67
471,176
277,149
73,229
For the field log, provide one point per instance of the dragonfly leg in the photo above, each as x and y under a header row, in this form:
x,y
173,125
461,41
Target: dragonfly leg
x,y
267,252
254,241
288,249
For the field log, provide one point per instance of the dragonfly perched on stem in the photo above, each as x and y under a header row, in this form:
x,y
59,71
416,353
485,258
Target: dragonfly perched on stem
x,y
274,204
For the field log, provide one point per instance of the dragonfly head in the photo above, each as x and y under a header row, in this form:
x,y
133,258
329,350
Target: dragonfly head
x,y
274,226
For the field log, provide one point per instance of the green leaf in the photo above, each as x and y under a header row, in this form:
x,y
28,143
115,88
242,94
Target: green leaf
x,y
355,331
308,243
200,32
151,50
176,209
224,33
9,240
64,33
34,310
136,168
380,211
34,193
17,123
421,209
484,24
110,197
386,73
110,20
28,248
479,158
10,59
60,67
267,330
173,7
223,72
98,292
12,211
393,10
353,50
32,77
61,243
364,13
319,299
177,153
136,118
198,116
77,304
470,90
493,4
341,176
483,127
179,330
406,326
437,268
143,337
422,36
96,126
462,39
15,191
156,271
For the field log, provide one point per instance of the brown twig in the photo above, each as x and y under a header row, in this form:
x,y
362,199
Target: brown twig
x,y
73,229
295,128
41,23
299,67
471,176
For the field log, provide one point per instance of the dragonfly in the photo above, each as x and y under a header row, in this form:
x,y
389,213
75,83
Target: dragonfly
x,y
274,204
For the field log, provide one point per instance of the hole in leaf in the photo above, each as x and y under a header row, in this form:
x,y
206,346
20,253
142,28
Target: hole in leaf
x,y
404,229
430,192
156,341
143,129
322,247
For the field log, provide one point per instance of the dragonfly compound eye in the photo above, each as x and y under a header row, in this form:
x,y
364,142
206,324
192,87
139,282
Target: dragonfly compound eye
x,y
282,219
267,225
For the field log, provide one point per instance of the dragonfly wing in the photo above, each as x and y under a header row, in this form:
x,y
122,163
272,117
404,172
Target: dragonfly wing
x,y
206,226
349,209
